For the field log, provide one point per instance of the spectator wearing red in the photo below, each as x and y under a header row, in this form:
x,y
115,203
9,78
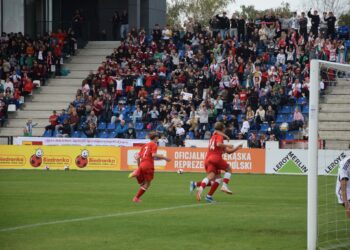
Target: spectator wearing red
x,y
28,86
53,122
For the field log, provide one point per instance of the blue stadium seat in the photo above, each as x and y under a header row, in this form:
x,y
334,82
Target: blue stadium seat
x,y
240,118
112,134
305,109
83,135
281,118
101,126
285,110
139,126
76,134
115,110
219,118
141,134
290,118
289,136
111,126
264,127
301,101
127,118
103,134
47,133
191,135
229,118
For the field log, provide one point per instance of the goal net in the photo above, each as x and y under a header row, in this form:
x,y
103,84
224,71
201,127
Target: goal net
x,y
329,121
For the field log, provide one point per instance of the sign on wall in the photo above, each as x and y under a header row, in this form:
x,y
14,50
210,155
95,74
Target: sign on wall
x,y
295,161
59,157
192,159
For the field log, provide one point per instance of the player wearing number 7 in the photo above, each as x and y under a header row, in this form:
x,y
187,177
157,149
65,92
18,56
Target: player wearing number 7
x,y
214,163
343,184
145,161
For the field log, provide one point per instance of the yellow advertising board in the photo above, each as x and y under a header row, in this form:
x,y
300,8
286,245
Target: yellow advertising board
x,y
59,157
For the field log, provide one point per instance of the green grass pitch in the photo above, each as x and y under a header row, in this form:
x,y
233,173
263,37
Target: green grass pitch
x,y
266,212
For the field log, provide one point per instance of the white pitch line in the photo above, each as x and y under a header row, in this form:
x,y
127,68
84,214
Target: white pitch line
x,y
99,217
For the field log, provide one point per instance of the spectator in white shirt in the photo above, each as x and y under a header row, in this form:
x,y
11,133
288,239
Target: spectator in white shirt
x,y
322,87
260,115
137,115
154,113
281,58
219,104
180,135
162,141
245,127
9,86
203,118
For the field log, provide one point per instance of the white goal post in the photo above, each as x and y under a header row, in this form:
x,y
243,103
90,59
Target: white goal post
x,y
316,65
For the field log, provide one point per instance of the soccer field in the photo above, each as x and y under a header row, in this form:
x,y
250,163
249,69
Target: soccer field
x,y
93,210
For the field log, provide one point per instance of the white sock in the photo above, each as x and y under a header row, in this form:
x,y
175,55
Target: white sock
x,y
219,180
205,180
227,176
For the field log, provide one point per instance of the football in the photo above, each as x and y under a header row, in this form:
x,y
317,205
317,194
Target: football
x,y
180,171
66,168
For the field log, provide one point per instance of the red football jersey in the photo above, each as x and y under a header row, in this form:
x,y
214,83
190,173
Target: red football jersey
x,y
213,145
147,151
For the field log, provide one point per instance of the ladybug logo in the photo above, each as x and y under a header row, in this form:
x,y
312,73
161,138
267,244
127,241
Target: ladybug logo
x,y
36,159
82,160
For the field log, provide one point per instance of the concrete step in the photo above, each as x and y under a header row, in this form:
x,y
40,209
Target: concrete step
x,y
63,81
336,108
77,74
334,126
339,145
46,99
95,52
83,66
101,43
336,99
20,123
19,131
57,90
38,106
334,117
33,114
335,135
88,59
339,90
343,82
111,47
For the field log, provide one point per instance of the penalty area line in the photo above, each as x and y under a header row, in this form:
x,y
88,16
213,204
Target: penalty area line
x,y
9,229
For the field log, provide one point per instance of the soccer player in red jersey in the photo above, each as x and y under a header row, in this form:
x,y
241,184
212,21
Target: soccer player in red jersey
x,y
214,163
145,161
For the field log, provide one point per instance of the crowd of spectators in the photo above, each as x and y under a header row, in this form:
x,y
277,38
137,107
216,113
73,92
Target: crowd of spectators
x,y
180,81
24,60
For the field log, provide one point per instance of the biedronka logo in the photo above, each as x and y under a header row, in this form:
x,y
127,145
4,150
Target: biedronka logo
x,y
290,164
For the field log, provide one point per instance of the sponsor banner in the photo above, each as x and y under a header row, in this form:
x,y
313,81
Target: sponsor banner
x,y
192,159
205,143
55,141
54,157
284,161
328,161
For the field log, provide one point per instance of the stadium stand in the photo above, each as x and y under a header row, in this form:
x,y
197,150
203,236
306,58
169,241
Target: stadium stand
x,y
180,82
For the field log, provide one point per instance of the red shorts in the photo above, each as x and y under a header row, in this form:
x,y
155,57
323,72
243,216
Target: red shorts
x,y
215,164
129,89
145,173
